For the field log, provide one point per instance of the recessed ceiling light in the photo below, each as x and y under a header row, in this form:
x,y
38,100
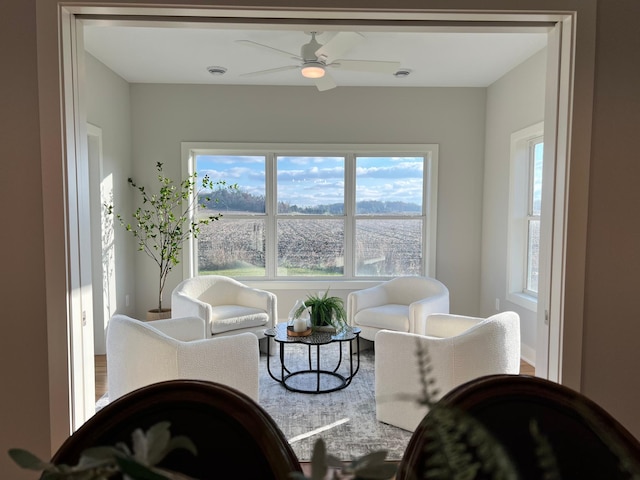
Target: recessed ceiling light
x,y
213,70
404,72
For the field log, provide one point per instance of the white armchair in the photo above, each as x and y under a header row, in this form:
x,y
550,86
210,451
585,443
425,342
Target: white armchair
x,y
227,306
401,304
143,353
460,349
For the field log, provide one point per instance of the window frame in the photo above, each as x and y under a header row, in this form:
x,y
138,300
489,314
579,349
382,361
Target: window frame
x,y
521,214
272,150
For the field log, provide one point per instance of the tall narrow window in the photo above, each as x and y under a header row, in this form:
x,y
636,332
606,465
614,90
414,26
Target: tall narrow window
x,y
525,200
389,216
533,218
235,244
310,216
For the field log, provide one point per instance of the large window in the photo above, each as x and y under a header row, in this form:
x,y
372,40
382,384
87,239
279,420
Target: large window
x,y
317,211
525,206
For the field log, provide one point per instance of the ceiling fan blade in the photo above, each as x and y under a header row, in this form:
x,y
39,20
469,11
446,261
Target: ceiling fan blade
x,y
366,66
250,43
271,70
339,44
325,82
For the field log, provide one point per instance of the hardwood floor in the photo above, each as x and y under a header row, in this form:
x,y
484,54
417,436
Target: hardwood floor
x,y
101,373
526,368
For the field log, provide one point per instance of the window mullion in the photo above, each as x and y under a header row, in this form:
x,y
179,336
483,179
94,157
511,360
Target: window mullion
x,y
271,204
427,210
349,214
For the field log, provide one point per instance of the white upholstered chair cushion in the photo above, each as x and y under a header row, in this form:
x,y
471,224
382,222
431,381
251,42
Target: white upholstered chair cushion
x,y
225,318
391,316
142,353
465,348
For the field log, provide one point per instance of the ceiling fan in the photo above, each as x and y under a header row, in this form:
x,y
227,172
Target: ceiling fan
x,y
316,58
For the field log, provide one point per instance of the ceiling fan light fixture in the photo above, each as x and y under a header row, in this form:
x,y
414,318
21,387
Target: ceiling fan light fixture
x,y
312,71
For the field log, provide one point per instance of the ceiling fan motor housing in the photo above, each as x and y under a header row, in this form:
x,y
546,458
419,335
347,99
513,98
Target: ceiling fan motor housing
x,y
308,50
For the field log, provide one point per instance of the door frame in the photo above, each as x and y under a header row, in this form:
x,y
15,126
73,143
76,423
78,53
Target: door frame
x,y
62,127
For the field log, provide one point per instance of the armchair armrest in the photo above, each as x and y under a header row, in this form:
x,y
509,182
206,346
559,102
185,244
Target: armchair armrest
x,y
420,310
232,360
490,347
256,298
366,298
185,306
398,379
185,329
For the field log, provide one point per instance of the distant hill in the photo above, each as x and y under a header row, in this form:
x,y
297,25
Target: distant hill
x,y
229,200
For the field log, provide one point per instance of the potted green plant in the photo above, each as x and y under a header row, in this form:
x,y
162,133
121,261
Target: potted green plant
x,y
326,312
166,220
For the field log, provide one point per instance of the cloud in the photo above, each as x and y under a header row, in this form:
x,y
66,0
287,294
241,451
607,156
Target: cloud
x,y
242,175
312,173
309,181
400,170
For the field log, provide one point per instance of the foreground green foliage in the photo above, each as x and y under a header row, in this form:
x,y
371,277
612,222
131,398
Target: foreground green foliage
x,y
369,467
100,463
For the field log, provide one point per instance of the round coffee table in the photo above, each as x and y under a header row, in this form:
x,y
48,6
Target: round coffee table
x,y
317,339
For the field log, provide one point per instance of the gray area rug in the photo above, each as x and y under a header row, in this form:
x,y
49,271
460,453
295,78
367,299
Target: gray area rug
x,y
345,419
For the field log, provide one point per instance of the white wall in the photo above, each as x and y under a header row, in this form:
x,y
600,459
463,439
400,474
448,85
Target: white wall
x,y
513,102
108,107
472,216
163,116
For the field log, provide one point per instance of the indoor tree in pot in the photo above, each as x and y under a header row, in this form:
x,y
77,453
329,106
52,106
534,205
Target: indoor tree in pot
x,y
166,220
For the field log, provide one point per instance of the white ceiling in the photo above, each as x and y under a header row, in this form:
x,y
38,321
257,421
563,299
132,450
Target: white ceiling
x,y
161,54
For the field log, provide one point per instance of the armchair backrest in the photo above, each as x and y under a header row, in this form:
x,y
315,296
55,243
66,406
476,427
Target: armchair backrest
x,y
473,347
211,289
406,290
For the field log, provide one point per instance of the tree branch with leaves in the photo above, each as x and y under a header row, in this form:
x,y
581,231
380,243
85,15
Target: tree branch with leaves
x,y
168,218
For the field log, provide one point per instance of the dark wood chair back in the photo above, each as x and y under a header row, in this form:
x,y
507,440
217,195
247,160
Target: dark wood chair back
x,y
234,436
586,440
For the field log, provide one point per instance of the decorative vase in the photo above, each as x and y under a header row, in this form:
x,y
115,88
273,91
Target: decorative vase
x,y
298,320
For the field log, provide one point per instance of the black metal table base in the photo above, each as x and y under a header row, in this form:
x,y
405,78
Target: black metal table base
x,y
319,374
342,381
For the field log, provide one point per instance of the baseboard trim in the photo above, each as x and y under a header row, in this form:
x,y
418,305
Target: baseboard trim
x,y
528,354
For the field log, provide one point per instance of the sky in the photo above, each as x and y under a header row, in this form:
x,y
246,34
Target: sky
x,y
309,181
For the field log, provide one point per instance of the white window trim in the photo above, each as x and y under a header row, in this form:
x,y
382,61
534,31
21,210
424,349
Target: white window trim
x,y
518,213
430,186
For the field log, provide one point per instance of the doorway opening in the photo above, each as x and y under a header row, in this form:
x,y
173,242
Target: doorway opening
x,y
557,137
